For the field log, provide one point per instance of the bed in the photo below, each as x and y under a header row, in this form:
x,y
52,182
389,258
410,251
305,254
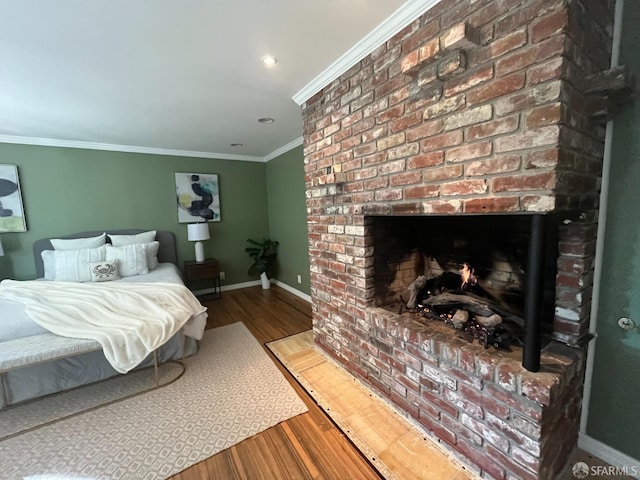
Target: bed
x,y
145,258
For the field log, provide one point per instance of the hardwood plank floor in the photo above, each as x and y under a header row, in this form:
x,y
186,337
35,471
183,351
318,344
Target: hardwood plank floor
x,y
392,444
308,446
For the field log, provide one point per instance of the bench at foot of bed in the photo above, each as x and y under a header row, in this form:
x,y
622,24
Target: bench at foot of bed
x,y
47,347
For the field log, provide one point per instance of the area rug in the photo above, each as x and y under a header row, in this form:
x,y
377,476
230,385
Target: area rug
x,y
54,408
231,390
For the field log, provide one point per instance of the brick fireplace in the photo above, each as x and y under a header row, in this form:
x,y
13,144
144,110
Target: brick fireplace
x,y
477,109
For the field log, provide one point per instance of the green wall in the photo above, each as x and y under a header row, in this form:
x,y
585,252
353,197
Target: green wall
x,y
67,190
288,217
614,417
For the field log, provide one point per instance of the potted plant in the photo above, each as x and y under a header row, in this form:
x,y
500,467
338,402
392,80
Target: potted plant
x,y
263,253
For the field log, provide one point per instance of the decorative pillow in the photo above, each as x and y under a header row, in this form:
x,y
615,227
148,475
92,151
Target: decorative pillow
x,y
132,259
49,264
104,271
71,265
144,237
78,243
151,249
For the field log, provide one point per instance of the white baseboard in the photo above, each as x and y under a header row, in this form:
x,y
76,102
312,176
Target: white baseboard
x,y
609,455
290,289
253,283
236,286
224,288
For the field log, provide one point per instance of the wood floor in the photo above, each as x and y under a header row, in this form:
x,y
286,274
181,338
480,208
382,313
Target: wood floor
x,y
394,445
308,446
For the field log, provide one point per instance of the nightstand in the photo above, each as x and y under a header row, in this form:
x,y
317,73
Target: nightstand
x,y
207,270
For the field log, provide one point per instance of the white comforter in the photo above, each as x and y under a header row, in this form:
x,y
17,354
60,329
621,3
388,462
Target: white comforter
x,y
128,321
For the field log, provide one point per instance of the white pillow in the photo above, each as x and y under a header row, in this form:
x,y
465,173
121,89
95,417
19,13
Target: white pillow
x,y
144,237
72,265
151,249
104,271
132,259
49,264
78,243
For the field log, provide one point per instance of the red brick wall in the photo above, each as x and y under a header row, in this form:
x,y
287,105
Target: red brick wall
x,y
482,404
475,107
578,162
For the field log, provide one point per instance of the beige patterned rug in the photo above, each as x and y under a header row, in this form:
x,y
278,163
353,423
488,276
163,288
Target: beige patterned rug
x,y
55,408
230,391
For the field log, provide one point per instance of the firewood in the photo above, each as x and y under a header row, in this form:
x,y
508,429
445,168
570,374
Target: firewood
x,y
417,285
490,321
466,301
459,318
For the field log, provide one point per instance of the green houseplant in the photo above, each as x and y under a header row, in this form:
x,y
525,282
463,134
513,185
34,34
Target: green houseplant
x,y
264,254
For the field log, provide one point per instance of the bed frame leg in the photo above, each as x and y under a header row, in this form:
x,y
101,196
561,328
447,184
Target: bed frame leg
x,y
155,366
3,386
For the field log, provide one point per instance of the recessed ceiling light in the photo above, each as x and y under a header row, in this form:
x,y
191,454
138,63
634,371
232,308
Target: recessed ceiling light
x,y
266,120
236,145
269,60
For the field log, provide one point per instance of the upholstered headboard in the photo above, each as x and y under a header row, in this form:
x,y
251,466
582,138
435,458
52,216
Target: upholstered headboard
x,y
166,253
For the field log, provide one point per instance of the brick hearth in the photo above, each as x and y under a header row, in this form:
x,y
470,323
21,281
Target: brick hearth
x,y
477,107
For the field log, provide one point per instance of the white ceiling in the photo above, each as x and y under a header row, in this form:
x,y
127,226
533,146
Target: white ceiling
x,y
181,76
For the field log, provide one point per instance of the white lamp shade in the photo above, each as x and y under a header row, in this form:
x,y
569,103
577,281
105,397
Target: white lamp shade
x,y
198,231
195,233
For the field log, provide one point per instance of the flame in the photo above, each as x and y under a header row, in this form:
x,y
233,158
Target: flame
x,y
468,276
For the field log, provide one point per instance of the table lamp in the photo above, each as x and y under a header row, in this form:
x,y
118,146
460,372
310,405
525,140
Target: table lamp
x,y
196,232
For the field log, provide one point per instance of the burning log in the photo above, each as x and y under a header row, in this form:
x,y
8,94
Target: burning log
x,y
440,284
459,318
414,290
445,291
466,281
487,337
460,300
469,278
462,304
495,335
490,322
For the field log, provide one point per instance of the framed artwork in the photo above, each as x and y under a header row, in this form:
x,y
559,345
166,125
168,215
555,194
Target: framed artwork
x,y
11,210
198,197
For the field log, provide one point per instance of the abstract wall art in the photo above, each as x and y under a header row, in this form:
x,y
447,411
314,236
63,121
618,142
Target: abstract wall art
x,y
11,211
198,197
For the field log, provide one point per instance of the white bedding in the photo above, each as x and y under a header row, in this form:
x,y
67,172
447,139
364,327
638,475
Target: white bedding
x,y
132,322
15,323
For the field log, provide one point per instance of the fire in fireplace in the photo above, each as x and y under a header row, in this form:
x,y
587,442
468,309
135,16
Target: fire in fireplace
x,y
473,272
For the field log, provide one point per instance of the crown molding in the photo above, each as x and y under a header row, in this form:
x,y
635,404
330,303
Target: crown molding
x,y
283,149
51,142
406,14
